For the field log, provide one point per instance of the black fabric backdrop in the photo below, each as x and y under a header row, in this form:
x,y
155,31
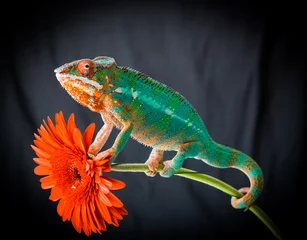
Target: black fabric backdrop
x,y
241,66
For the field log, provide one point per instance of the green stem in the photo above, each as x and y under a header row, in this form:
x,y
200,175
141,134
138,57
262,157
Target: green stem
x,y
206,179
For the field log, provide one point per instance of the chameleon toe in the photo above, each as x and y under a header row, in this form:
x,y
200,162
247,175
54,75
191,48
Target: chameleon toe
x,y
151,173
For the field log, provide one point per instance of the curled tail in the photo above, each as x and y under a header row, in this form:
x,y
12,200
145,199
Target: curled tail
x,y
220,156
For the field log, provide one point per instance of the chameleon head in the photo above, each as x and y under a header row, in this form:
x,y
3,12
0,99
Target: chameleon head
x,y
86,80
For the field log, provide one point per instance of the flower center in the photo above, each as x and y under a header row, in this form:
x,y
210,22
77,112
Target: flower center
x,y
75,176
68,170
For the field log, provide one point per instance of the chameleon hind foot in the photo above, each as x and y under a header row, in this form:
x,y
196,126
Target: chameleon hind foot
x,y
153,162
153,167
188,149
168,170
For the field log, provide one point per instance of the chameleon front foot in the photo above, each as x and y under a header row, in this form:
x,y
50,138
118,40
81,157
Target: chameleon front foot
x,y
109,154
90,155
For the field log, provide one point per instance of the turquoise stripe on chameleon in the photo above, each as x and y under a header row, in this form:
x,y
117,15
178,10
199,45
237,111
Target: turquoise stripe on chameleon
x,y
73,71
124,96
211,154
255,191
241,160
224,158
255,172
184,132
176,124
242,204
120,110
190,130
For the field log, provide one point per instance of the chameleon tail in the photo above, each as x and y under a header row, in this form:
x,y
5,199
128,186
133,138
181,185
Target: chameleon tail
x,y
221,156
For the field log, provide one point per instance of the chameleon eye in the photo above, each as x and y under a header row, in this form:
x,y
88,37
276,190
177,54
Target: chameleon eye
x,y
86,67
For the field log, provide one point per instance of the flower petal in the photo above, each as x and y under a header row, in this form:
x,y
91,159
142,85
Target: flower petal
x,y
60,120
116,184
106,182
102,208
84,219
105,165
55,194
71,124
43,146
114,200
40,153
65,138
37,136
104,199
76,218
68,210
99,223
88,135
53,129
122,211
43,162
49,138
78,140
114,220
103,188
42,170
115,213
61,206
90,219
47,182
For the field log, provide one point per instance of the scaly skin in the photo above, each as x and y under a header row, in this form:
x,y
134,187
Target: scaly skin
x,y
154,115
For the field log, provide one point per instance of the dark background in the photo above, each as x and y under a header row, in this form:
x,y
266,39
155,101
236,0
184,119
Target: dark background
x,y
242,66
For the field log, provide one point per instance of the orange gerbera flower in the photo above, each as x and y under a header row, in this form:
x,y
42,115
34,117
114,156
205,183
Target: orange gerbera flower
x,y
74,179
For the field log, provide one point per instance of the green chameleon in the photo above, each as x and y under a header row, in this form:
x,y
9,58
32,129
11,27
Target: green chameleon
x,y
154,115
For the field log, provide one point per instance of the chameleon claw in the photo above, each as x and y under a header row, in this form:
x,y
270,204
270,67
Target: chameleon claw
x,y
151,173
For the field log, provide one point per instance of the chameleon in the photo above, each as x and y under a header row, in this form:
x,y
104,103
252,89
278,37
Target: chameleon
x,y
154,115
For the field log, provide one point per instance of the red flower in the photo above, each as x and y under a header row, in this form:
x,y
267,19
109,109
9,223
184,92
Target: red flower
x,y
74,179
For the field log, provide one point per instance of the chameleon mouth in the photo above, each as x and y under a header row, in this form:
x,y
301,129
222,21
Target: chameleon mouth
x,y
63,77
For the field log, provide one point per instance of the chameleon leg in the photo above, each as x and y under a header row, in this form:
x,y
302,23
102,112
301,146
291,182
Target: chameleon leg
x,y
118,145
155,157
120,114
186,150
101,137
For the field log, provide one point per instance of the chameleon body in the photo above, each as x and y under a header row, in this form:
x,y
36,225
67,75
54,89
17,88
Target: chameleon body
x,y
154,115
